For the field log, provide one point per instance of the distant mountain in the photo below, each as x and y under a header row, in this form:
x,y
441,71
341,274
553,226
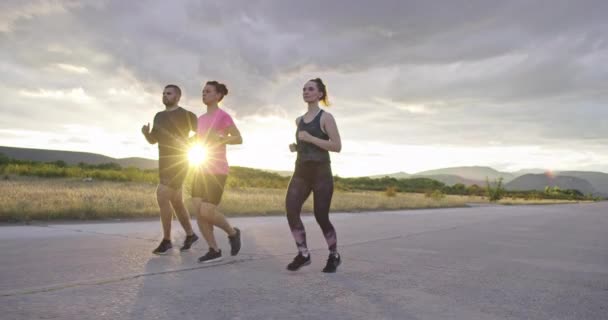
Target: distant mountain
x,y
535,179
282,173
396,175
474,173
73,158
528,179
522,172
446,179
598,180
141,163
451,180
540,181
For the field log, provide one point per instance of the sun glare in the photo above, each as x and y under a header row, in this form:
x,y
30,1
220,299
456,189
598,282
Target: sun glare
x,y
197,155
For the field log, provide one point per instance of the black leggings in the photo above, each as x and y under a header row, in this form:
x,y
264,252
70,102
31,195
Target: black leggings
x,y
317,178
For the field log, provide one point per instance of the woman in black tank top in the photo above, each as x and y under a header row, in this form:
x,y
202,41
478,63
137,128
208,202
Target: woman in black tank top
x,y
316,135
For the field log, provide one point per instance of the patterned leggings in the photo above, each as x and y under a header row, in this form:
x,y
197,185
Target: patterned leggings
x,y
316,178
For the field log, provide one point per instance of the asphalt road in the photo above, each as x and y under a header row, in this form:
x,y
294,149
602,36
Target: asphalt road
x,y
489,262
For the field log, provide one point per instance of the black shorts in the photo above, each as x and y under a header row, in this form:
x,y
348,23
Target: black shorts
x,y
209,187
172,178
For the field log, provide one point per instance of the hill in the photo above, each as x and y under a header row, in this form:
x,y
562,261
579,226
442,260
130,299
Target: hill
x,y
540,181
73,158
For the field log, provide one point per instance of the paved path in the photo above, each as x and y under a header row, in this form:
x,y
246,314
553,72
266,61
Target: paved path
x,y
503,262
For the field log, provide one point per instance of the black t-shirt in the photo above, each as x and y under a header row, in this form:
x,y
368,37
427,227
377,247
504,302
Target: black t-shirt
x,y
171,129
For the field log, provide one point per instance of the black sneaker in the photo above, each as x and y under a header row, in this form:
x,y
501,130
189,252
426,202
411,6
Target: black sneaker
x,y
235,242
163,247
188,242
211,256
298,262
333,261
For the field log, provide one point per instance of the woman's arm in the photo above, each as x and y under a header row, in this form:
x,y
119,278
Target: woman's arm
x,y
293,147
233,136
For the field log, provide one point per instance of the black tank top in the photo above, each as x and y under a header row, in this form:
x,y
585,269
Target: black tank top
x,y
308,151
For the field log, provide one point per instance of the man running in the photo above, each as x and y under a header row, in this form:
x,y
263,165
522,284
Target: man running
x,y
171,130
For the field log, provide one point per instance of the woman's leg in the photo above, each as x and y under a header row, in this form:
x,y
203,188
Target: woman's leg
x,y
205,223
323,190
297,193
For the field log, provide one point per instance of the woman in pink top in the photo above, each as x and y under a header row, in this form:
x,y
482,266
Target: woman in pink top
x,y
215,130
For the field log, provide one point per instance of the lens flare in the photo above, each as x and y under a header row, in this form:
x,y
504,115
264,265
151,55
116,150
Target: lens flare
x,y
197,155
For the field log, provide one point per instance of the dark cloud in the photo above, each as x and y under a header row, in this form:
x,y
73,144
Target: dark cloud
x,y
515,72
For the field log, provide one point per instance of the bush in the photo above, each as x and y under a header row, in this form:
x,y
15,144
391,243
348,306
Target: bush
x,y
4,159
458,188
390,191
434,194
475,190
495,190
60,163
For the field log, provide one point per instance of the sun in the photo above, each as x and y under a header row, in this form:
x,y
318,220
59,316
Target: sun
x,y
197,155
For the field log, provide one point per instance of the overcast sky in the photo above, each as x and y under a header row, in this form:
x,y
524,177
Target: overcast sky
x,y
414,85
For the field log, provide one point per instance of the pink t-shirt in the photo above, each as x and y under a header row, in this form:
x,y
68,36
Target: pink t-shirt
x,y
217,122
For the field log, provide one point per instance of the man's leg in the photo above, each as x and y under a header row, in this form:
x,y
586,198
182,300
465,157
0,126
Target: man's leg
x,y
163,197
181,212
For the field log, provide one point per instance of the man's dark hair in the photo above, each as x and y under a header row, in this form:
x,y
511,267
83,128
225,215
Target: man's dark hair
x,y
174,87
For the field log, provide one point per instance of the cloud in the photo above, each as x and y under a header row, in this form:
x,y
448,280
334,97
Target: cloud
x,y
12,11
411,108
456,73
72,68
76,95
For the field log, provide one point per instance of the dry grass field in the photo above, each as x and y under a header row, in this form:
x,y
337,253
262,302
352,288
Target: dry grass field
x,y
28,198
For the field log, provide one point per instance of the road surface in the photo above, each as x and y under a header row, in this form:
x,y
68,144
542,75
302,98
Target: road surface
x,y
488,262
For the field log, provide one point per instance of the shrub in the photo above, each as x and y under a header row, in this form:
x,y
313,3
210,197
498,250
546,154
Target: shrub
x,y
495,190
437,195
390,191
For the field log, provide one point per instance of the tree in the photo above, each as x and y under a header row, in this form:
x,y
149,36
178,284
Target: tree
x,y
495,190
459,188
60,163
475,190
4,159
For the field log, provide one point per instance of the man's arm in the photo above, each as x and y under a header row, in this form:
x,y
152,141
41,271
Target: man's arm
x,y
150,137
